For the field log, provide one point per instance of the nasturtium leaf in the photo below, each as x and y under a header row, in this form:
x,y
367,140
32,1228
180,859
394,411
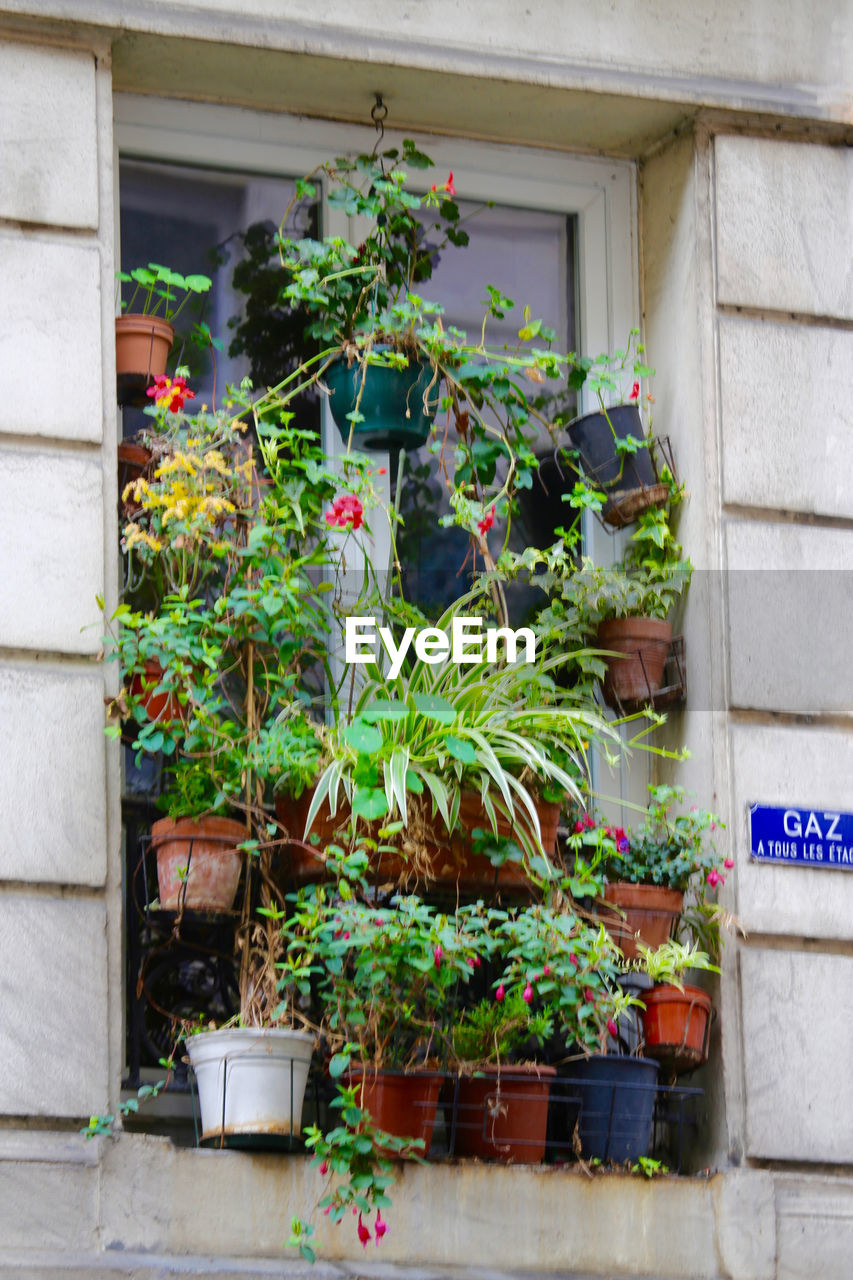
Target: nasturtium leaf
x,y
386,710
363,736
369,803
434,707
460,749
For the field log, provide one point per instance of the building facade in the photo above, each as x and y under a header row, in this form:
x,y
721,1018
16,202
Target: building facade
x,y
705,152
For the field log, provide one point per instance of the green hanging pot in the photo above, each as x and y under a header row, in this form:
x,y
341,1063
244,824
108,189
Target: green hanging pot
x,y
392,403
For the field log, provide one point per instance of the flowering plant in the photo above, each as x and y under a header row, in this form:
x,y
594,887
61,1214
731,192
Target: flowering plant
x,y
672,849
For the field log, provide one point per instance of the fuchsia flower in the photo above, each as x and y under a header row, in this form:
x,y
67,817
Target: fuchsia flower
x,y
363,1233
381,1226
729,863
436,956
635,391
487,521
546,971
500,993
714,878
621,840
527,993
170,393
346,512
324,1168
612,1028
573,959
587,995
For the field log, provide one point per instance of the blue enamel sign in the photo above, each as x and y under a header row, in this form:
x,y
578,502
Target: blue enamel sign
x,y
802,837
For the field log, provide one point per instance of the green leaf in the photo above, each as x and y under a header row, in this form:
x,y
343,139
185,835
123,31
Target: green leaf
x,y
385,710
338,1064
434,707
369,803
460,749
363,736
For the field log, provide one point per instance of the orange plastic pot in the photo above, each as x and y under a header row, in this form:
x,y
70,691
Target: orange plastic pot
x,y
675,1025
502,1114
641,644
403,1104
647,910
198,863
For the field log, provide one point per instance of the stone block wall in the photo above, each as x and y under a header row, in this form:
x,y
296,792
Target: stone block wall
x,y
57,422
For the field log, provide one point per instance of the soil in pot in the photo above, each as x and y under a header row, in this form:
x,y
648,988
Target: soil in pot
x,y
198,863
251,1082
392,403
642,645
434,858
401,1103
143,344
617,1103
501,1114
675,1026
645,909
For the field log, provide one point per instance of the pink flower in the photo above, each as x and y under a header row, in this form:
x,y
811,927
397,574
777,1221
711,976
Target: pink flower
x,y
573,959
635,391
729,863
546,971
346,935
363,1233
500,993
346,512
324,1168
448,186
170,393
612,1028
579,827
381,1226
436,956
587,995
588,821
714,878
527,993
487,521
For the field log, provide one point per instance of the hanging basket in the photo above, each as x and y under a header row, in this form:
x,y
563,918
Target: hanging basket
x,y
392,403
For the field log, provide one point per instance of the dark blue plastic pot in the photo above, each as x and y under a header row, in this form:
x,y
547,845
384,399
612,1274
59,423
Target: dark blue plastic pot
x,y
617,1097
392,403
594,436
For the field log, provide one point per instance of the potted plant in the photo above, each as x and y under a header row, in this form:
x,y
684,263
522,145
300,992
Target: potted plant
x,y
676,1017
145,328
386,977
654,865
555,976
611,441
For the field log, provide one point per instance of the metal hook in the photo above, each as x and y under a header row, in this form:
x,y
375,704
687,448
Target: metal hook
x,y
378,114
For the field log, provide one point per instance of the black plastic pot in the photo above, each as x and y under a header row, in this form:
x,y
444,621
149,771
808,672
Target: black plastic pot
x,y
617,1097
594,435
542,507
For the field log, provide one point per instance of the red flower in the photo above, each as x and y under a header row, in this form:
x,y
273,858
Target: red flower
x,y
436,956
448,186
612,1028
346,512
527,993
588,821
729,863
573,959
363,1233
381,1226
324,1168
714,878
546,971
500,993
587,995
487,521
580,826
635,392
170,393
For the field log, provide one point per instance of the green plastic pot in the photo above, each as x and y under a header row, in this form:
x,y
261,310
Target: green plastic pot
x,y
392,403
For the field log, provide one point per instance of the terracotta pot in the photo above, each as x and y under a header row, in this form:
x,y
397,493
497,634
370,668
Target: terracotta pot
x,y
643,643
675,1026
649,910
143,344
206,847
443,859
501,1114
133,459
159,706
403,1104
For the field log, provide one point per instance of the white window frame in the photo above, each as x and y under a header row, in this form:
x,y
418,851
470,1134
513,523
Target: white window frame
x,y
601,193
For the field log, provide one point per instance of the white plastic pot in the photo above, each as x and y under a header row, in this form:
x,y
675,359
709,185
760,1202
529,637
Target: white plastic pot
x,y
251,1081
